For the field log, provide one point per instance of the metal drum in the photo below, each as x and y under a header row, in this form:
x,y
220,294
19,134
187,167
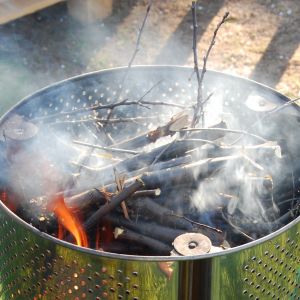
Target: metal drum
x,y
34,265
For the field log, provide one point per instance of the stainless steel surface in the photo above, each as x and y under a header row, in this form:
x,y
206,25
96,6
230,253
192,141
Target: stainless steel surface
x,y
34,265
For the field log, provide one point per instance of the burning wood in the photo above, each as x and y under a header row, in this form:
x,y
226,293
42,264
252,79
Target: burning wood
x,y
171,189
68,220
131,236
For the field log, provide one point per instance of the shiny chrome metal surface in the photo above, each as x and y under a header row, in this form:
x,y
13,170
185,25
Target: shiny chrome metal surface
x,y
34,265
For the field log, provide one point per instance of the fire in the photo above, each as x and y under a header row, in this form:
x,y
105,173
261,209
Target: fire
x,y
68,220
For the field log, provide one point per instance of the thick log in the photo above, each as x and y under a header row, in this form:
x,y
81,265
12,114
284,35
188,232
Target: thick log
x,y
167,218
132,237
161,215
83,201
114,202
180,161
187,174
150,229
144,159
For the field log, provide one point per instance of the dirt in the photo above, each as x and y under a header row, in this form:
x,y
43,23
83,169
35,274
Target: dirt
x,y
260,41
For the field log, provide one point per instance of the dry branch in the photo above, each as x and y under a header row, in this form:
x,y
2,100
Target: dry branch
x,y
198,111
177,122
136,50
133,237
151,229
168,218
108,149
114,202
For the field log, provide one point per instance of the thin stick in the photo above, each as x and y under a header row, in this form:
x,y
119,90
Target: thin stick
x,y
198,112
197,223
87,109
242,132
251,239
138,41
268,115
163,103
105,121
106,148
147,193
288,200
124,102
135,52
277,110
199,107
176,122
162,152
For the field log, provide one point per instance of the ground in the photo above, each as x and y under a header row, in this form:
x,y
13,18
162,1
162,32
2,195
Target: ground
x,y
260,41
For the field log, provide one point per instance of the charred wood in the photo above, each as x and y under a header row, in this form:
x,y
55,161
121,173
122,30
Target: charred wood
x,y
150,229
132,237
114,202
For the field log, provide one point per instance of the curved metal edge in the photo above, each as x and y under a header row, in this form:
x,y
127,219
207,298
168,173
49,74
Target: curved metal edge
x,y
135,257
136,67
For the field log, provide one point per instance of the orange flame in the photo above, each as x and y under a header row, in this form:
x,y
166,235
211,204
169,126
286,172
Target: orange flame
x,y
67,219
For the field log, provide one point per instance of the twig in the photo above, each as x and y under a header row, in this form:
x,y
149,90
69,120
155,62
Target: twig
x,y
104,121
87,109
136,50
163,103
147,193
120,186
237,228
176,122
150,90
109,149
138,41
124,102
197,223
242,132
185,140
199,106
277,110
268,115
289,200
162,152
198,112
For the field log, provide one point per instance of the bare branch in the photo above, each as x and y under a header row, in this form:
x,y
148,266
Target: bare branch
x,y
106,148
225,130
199,105
138,41
198,111
136,50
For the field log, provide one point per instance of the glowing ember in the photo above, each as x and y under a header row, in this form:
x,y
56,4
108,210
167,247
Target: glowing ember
x,y
68,220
